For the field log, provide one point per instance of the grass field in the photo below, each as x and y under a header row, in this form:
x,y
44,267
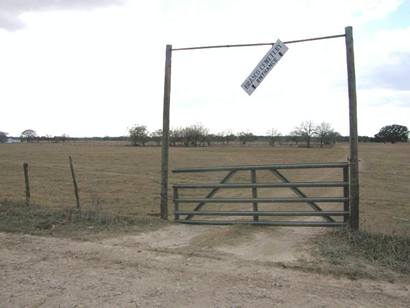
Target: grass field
x,y
125,180
116,251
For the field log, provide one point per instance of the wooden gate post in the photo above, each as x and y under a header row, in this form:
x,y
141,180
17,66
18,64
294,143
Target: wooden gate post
x,y
354,160
165,135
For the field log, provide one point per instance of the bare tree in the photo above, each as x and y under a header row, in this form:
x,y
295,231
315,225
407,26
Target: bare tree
x,y
138,135
245,137
229,136
63,138
219,137
195,135
273,135
326,133
157,136
28,135
175,136
293,136
306,130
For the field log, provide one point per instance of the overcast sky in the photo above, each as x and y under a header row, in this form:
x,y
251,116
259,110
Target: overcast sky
x,y
96,67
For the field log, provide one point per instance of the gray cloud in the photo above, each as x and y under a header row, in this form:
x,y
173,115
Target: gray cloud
x,y
10,21
390,76
10,10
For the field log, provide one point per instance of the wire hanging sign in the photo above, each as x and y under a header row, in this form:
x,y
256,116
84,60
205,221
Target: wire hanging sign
x,y
264,67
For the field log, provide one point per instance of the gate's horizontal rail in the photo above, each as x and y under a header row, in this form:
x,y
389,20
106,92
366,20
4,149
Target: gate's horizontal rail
x,y
264,167
263,213
261,200
263,185
261,222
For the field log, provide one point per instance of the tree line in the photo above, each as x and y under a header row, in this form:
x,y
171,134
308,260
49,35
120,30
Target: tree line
x,y
198,135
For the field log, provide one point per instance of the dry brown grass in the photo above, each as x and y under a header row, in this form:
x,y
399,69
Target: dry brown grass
x,y
385,188
125,180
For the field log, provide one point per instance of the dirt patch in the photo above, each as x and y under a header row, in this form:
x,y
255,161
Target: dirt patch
x,y
170,268
275,245
171,237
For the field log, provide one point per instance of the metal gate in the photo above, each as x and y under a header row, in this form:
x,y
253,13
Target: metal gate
x,y
187,209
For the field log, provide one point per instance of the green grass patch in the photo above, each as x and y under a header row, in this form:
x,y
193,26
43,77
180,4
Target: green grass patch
x,y
348,249
19,218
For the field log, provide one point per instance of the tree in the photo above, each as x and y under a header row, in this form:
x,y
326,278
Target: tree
x,y
138,135
28,135
175,136
245,137
229,136
219,137
273,135
3,137
392,133
293,136
306,130
326,134
157,136
195,135
62,138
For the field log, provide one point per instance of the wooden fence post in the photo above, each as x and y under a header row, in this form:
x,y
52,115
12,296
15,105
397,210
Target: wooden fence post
x,y
26,180
165,135
77,197
354,160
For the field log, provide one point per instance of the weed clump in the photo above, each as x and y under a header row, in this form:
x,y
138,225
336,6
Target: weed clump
x,y
340,247
17,217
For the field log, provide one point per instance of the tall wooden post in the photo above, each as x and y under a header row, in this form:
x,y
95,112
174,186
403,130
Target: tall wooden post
x,y
354,160
165,135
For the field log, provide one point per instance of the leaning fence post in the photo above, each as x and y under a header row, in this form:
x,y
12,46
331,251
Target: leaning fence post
x,y
26,180
254,194
77,197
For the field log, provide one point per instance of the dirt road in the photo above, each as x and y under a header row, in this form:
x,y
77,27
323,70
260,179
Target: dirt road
x,y
180,266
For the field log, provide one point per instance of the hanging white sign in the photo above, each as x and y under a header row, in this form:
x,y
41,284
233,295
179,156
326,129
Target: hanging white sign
x,y
264,67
